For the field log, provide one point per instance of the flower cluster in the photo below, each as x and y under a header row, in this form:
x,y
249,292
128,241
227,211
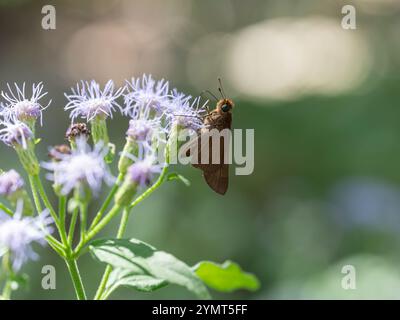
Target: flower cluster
x,y
15,133
88,100
142,127
173,105
142,171
18,233
18,115
145,92
81,165
19,106
184,112
80,168
10,182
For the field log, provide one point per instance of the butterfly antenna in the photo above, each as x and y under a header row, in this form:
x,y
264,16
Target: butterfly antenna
x,y
187,115
210,93
221,89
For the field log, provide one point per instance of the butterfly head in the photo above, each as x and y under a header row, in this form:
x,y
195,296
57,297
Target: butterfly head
x,y
225,105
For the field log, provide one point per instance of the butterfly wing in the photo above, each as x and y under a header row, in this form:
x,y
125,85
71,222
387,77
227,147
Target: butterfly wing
x,y
216,175
218,179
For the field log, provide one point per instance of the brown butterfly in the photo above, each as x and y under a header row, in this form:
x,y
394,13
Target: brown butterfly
x,y
215,174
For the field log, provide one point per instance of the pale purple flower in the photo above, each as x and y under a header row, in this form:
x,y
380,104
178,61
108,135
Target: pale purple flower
x,y
88,100
178,98
143,128
18,233
22,107
185,111
82,165
144,170
3,111
10,182
146,92
15,132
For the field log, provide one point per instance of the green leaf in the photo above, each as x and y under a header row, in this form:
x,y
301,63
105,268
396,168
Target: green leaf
x,y
135,257
175,176
227,277
126,278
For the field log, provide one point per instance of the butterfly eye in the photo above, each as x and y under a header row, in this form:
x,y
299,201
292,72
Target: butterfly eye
x,y
225,108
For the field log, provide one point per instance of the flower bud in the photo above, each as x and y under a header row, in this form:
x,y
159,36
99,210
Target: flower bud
x,y
100,135
130,148
142,130
12,188
125,193
99,130
28,159
18,135
10,182
139,174
76,131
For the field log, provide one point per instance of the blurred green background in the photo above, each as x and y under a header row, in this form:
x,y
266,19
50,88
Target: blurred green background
x,y
324,103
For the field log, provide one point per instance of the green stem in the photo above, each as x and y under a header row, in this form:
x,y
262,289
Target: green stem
x,y
54,243
83,211
107,202
7,269
6,294
72,226
123,224
76,278
69,259
111,214
45,199
6,210
107,272
62,212
35,195
37,183
150,190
